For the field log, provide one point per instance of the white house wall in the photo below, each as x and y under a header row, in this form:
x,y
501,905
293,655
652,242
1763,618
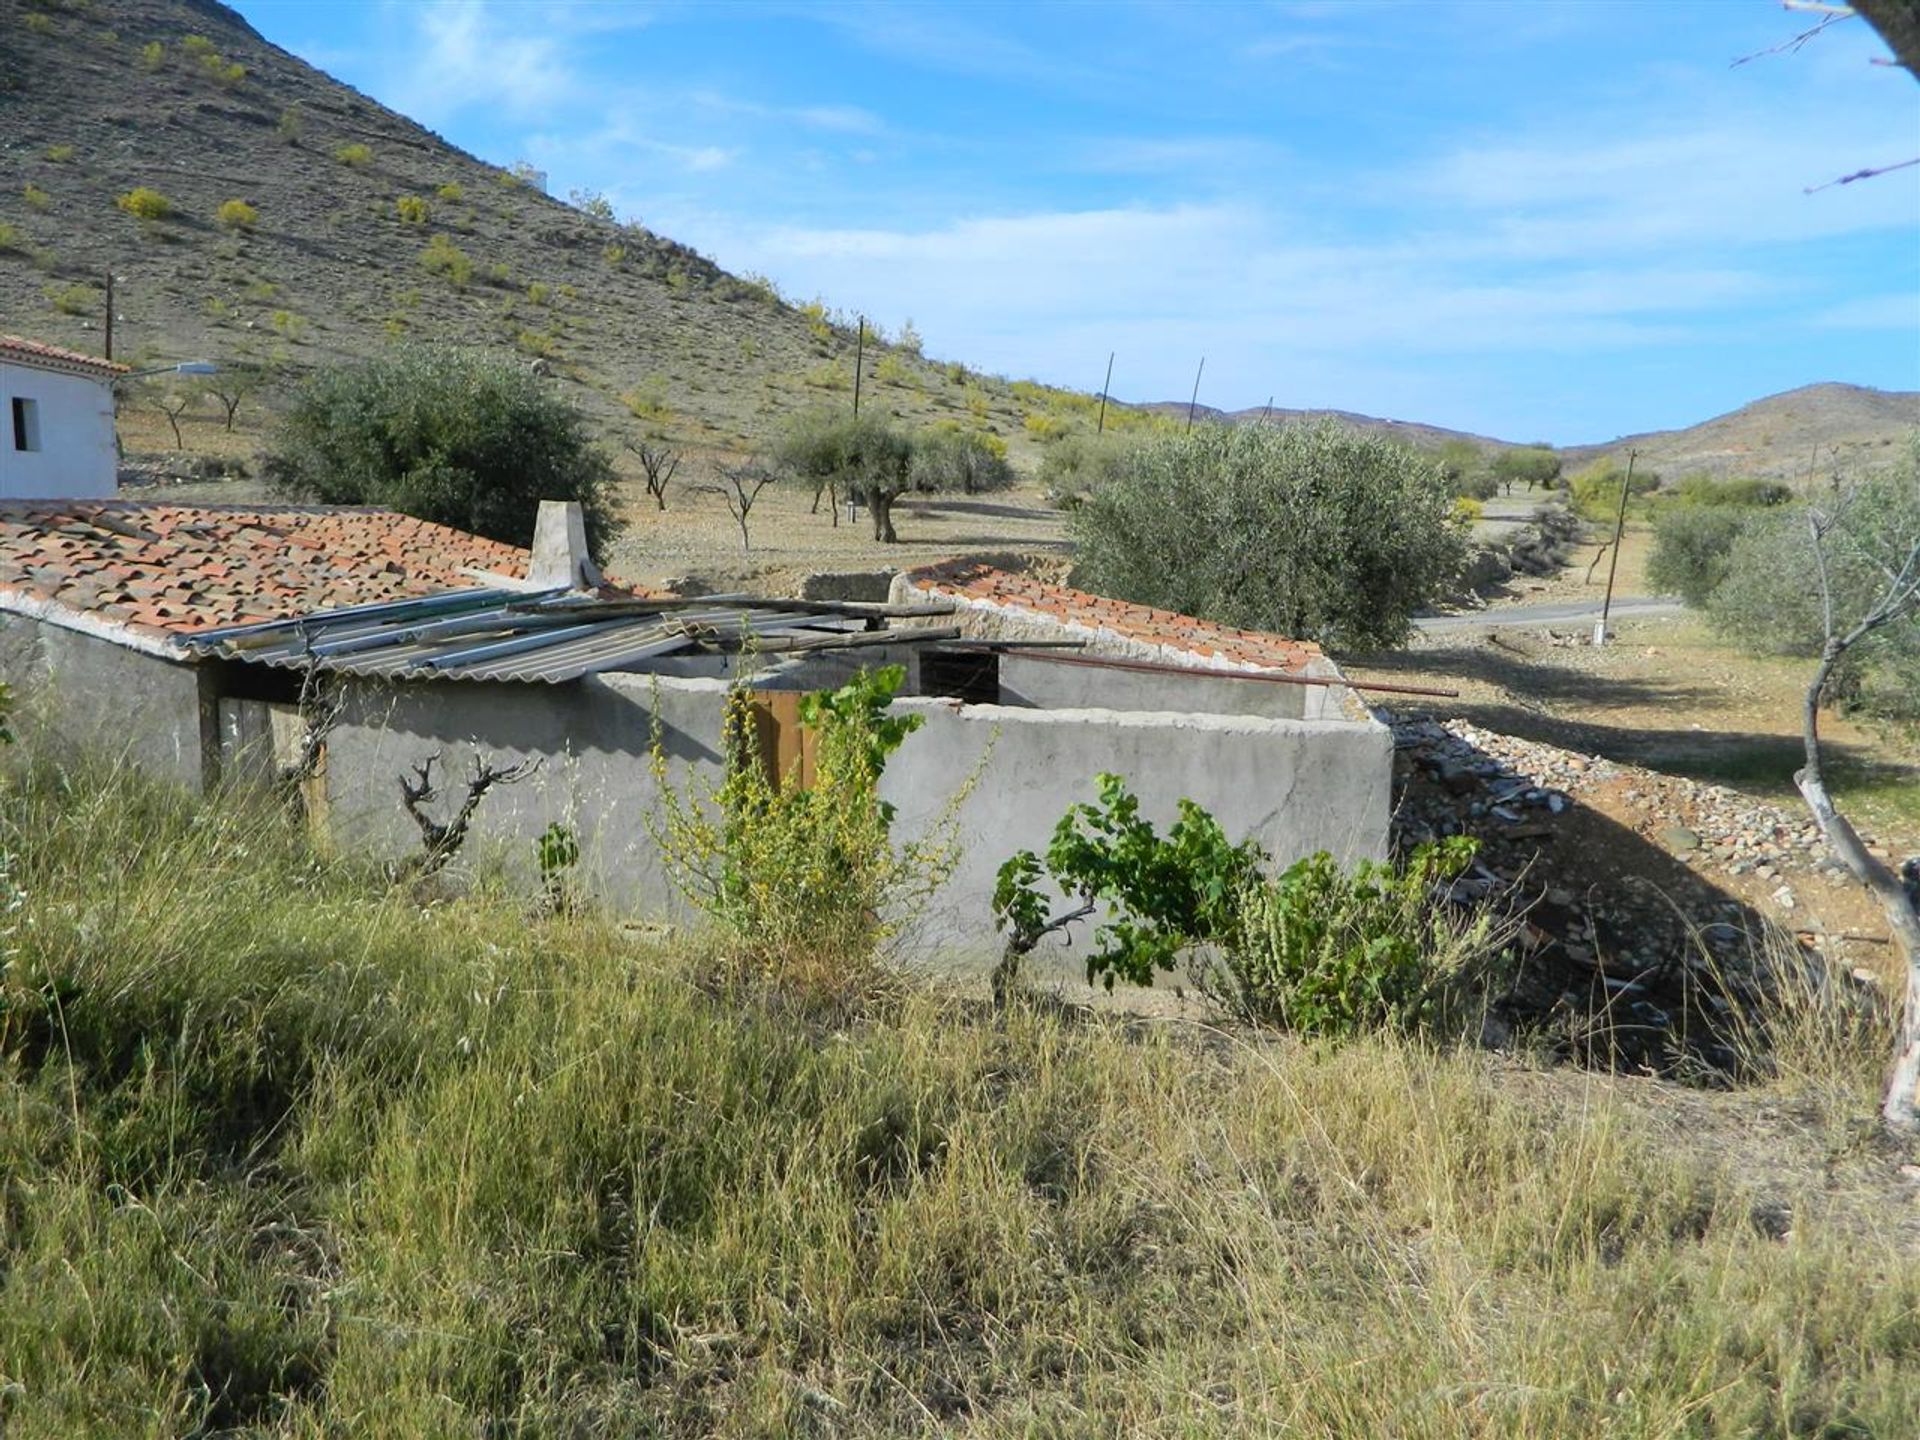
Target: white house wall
x,y
76,458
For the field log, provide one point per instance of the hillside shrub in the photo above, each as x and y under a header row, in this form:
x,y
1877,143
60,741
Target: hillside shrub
x,y
1314,531
806,881
411,209
454,437
950,457
152,55
9,236
291,125
1695,525
145,203
444,258
60,154
354,155
237,215
75,299
1325,951
1594,493
37,23
451,192
1073,468
35,197
1769,599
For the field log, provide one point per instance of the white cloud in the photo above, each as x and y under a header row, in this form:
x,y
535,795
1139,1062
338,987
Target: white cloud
x,y
462,58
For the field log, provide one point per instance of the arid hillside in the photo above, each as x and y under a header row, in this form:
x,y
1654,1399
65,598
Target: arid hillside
x,y
355,227
1817,428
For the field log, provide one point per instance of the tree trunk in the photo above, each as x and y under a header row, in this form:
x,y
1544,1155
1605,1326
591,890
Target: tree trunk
x,y
1900,1106
880,502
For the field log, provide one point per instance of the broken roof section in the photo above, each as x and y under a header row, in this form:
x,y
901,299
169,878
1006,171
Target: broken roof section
x,y
144,572
1023,603
556,636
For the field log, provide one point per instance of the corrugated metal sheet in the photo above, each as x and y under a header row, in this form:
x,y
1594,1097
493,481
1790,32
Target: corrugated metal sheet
x,y
486,634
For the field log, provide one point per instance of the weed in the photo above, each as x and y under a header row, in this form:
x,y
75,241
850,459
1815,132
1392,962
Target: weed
x,y
60,154
411,209
291,125
447,260
451,192
237,215
9,236
35,197
153,55
75,299
354,155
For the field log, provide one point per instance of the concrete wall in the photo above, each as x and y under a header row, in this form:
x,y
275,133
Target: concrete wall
x,y
94,692
75,458
1295,786
1034,681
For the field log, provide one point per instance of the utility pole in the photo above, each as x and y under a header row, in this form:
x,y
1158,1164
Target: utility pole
x,y
1266,413
109,312
1196,392
859,364
1106,386
1619,527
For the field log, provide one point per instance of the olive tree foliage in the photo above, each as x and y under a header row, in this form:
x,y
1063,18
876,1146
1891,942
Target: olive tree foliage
x,y
450,436
948,456
1770,598
1528,465
1312,530
860,457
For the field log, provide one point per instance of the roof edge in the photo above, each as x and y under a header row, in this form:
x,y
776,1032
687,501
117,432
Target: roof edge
x,y
52,612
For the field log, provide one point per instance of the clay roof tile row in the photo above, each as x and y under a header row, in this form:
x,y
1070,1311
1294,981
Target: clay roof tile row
x,y
1142,624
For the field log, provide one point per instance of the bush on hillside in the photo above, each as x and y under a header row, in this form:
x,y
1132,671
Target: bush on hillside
x,y
145,203
1770,602
1528,465
237,215
444,258
411,209
1075,467
355,155
1595,492
454,437
1695,527
1313,531
951,457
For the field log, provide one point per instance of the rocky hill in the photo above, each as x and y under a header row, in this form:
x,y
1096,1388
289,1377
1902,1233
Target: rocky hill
x,y
297,221
1817,428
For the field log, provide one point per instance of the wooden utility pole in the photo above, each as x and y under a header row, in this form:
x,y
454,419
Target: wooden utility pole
x,y
1268,412
1613,566
1196,391
1107,385
109,328
859,364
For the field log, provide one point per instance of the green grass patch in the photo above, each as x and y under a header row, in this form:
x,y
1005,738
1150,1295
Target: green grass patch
x,y
286,1151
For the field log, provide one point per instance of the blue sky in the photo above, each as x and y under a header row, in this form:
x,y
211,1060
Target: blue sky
x,y
1533,219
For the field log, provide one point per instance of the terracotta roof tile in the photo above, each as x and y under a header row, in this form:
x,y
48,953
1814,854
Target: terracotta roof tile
x,y
22,351
173,569
1203,639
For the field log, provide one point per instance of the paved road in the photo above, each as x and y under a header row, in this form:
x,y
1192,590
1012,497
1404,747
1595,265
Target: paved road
x,y
1560,613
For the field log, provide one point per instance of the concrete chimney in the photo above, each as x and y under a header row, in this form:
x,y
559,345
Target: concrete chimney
x,y
560,548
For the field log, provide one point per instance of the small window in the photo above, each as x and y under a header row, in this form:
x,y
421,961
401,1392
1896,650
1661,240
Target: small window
x,y
26,423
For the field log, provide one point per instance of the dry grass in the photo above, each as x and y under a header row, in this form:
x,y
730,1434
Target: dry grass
x,y
286,1153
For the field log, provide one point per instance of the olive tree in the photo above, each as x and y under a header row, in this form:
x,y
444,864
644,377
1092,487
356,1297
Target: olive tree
x,y
861,457
1530,465
1315,531
450,436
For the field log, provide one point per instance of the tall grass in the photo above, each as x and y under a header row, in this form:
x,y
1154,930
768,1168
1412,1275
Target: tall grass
x,y
283,1151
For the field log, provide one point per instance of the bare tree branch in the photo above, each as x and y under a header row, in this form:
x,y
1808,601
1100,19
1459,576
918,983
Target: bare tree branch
x,y
443,841
741,486
657,464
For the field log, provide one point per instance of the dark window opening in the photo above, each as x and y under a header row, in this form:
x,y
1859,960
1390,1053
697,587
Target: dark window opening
x,y
971,676
26,424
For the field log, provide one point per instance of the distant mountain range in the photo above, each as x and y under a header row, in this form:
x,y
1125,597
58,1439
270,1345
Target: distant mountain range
x,y
1819,427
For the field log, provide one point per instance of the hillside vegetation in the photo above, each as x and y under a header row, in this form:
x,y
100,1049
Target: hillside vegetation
x,y
286,1151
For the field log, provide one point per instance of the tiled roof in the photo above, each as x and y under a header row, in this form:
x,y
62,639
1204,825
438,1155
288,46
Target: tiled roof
x,y
21,351
162,570
1138,626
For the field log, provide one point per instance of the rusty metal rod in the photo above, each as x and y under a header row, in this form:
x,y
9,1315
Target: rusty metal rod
x,y
1148,667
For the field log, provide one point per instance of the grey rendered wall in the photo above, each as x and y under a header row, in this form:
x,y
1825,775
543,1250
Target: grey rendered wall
x,y
1031,680
88,692
1295,786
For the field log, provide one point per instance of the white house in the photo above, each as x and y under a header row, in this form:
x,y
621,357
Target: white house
x,y
56,423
